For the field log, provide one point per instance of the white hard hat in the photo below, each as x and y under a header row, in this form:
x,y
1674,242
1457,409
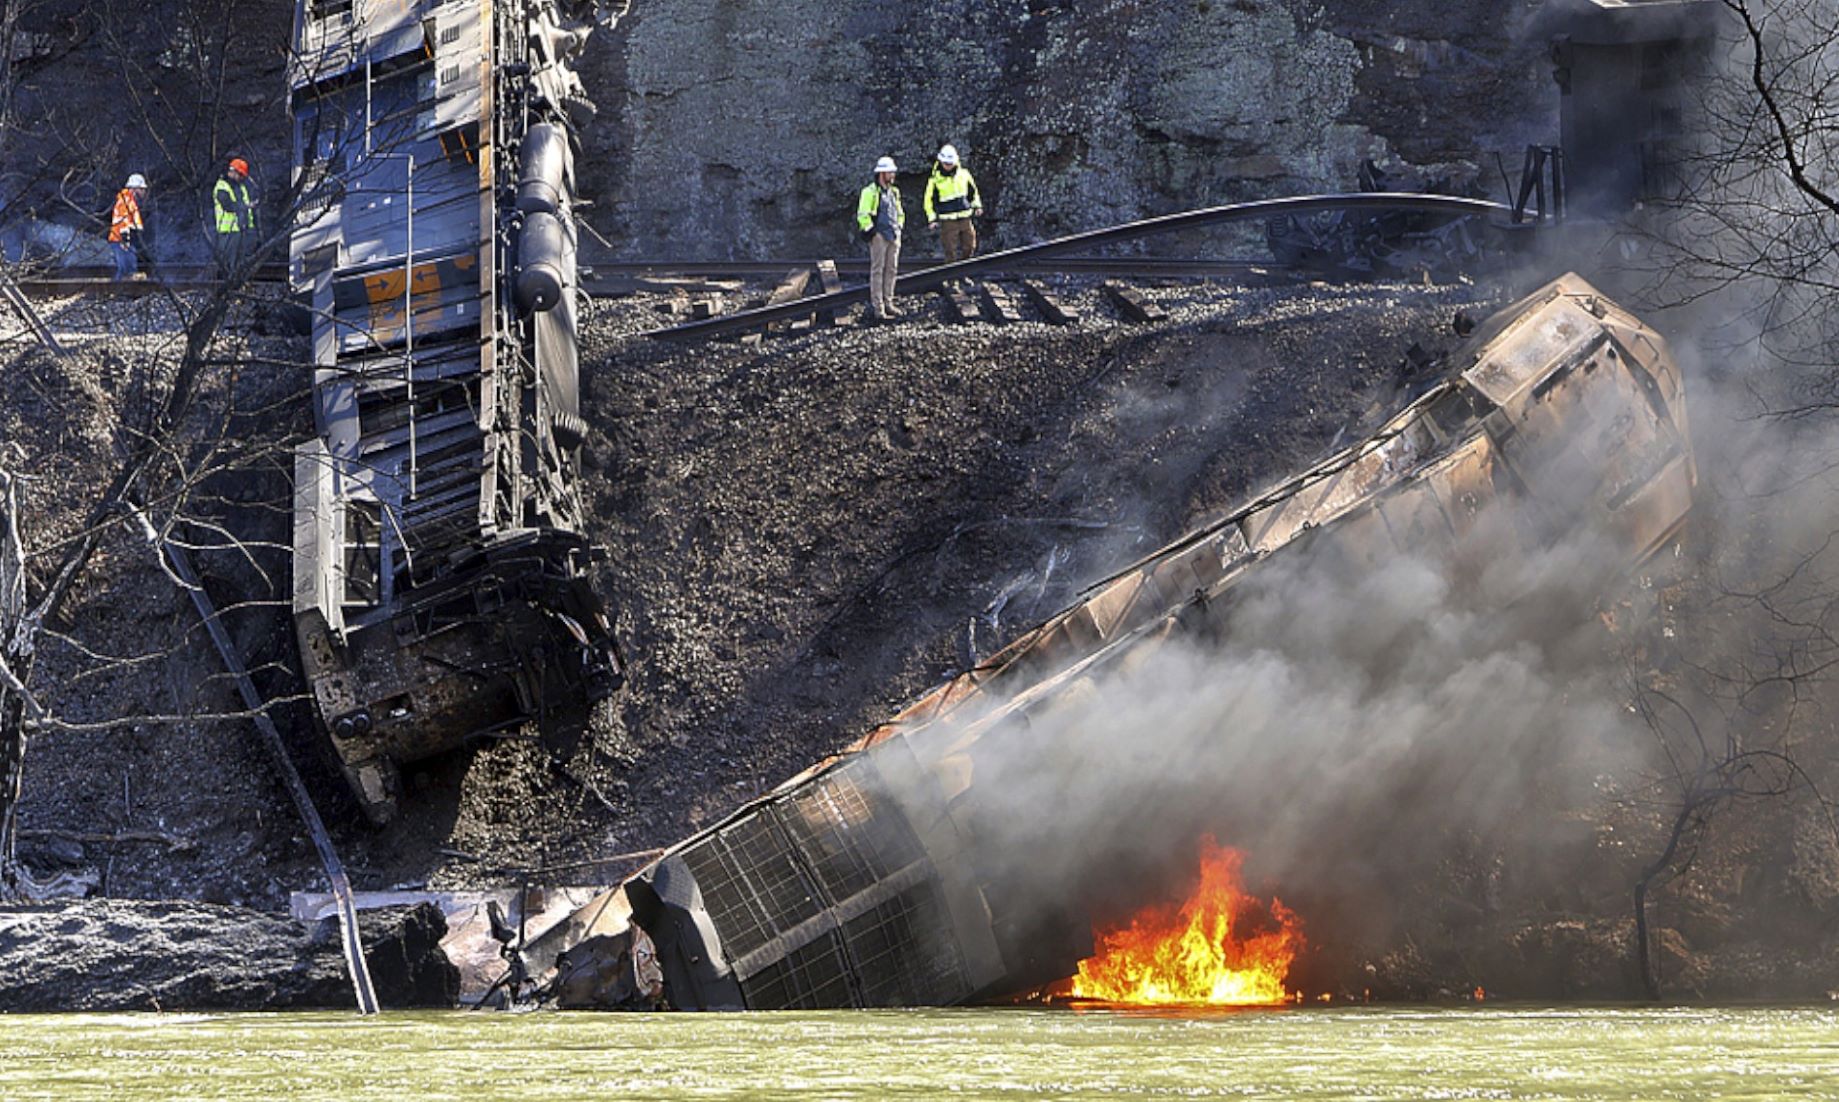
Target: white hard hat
x,y
886,164
948,155
137,180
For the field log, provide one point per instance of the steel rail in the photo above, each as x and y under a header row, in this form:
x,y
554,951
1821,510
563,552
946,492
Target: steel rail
x,y
915,282
774,269
604,273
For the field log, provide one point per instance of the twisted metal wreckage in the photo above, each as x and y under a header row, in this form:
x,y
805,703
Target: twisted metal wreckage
x,y
440,591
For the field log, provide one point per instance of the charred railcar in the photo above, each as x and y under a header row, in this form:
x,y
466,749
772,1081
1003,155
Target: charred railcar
x,y
866,880
440,592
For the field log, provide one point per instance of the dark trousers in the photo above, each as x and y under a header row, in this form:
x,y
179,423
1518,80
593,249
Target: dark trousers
x,y
229,252
125,261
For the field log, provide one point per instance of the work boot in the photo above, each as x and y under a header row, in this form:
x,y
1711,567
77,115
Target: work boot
x,y
893,311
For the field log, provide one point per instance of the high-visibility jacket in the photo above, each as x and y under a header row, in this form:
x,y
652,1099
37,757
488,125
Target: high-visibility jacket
x,y
868,207
235,206
952,195
126,215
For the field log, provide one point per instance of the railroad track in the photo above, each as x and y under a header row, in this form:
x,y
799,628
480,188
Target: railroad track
x,y
1056,253
1067,265
606,277
1066,255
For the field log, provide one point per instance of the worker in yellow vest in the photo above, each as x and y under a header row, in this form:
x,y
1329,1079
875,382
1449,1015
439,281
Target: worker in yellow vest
x,y
233,209
879,218
952,200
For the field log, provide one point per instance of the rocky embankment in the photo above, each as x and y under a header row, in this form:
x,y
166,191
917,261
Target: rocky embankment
x,y
117,954
801,535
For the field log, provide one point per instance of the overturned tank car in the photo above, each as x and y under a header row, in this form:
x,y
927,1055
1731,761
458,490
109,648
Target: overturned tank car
x,y
439,564
868,881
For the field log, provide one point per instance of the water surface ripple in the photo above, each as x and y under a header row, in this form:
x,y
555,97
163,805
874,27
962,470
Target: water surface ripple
x,y
1387,1053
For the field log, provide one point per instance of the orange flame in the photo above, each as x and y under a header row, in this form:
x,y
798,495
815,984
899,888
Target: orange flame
x,y
1189,955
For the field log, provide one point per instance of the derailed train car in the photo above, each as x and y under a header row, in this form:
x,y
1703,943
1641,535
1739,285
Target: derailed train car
x,y
439,585
865,882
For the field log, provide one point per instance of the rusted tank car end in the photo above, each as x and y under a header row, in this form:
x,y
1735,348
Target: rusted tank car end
x,y
874,878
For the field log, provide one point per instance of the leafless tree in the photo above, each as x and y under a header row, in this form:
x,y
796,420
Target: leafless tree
x,y
1749,250
1704,774
175,446
1757,224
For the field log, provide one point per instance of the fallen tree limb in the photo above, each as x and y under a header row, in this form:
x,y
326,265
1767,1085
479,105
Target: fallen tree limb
x,y
174,558
16,703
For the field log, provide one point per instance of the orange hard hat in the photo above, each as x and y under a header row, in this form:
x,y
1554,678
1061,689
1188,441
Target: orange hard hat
x,y
237,164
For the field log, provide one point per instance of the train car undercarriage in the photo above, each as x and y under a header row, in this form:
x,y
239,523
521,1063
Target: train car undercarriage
x,y
440,588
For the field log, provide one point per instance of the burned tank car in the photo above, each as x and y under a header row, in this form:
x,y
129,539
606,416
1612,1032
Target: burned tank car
x,y
871,879
440,592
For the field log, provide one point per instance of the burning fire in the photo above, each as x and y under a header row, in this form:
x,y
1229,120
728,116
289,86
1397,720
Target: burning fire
x,y
1189,955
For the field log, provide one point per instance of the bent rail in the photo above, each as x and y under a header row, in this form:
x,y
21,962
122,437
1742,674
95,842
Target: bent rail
x,y
917,282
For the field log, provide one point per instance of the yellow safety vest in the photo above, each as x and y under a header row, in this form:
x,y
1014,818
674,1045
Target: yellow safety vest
x,y
869,205
224,199
957,195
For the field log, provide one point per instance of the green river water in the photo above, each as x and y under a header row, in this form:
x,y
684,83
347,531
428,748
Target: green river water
x,y
1490,1052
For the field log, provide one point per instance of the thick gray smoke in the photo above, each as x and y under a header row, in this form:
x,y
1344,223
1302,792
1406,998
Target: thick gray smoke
x,y
1443,734
1353,719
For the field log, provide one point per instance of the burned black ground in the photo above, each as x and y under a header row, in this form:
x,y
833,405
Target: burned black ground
x,y
799,536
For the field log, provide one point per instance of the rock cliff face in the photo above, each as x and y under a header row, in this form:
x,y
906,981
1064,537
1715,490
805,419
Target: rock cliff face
x,y
734,129
743,129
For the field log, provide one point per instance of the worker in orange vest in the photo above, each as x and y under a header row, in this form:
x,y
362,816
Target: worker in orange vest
x,y
126,226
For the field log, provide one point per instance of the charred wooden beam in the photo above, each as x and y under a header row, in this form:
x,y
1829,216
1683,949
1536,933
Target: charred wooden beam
x,y
833,285
790,288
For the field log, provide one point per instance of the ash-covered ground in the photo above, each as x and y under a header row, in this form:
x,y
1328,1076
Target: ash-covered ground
x,y
800,534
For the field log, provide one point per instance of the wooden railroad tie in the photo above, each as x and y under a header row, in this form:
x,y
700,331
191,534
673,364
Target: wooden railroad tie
x,y
826,274
958,304
998,303
791,287
1051,308
1132,304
